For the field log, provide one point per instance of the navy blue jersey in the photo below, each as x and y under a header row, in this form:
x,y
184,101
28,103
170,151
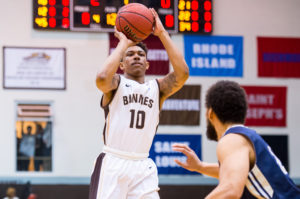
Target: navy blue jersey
x,y
268,178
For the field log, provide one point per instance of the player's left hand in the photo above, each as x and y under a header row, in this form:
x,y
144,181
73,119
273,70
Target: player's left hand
x,y
158,28
193,163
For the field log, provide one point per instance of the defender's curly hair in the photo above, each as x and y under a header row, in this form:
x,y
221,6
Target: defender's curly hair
x,y
228,100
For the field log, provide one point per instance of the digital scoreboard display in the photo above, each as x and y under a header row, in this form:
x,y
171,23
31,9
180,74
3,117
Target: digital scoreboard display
x,y
177,16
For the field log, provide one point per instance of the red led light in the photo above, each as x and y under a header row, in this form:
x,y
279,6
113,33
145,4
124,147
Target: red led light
x,y
52,22
52,2
195,16
65,12
195,5
195,26
169,20
95,3
207,16
65,23
85,18
52,11
207,5
66,2
165,3
207,27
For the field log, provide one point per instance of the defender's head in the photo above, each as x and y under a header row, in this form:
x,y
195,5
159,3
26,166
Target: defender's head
x,y
227,101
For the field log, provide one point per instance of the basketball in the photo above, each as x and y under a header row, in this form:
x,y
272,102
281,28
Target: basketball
x,y
136,21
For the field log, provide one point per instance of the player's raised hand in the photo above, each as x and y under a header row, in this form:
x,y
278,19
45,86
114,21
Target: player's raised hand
x,y
193,163
158,27
122,38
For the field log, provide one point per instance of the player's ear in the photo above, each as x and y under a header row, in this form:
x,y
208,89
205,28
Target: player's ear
x,y
147,65
210,114
122,67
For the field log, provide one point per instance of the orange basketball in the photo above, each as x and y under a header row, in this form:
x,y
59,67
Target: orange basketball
x,y
136,21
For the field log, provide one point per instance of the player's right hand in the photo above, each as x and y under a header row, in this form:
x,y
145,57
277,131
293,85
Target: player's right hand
x,y
122,38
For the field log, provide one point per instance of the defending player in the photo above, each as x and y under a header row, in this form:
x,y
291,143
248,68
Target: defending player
x,y
132,108
247,167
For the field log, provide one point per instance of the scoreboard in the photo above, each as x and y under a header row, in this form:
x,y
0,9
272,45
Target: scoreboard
x,y
177,16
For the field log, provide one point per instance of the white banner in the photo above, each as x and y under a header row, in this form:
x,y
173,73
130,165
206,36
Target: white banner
x,y
34,68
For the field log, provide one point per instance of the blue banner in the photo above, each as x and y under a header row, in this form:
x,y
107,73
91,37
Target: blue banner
x,y
162,154
220,56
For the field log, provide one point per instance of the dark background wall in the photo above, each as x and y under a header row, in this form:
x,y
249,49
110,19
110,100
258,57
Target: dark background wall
x,y
81,191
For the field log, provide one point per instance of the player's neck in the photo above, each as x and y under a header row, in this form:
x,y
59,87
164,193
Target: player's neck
x,y
140,79
222,128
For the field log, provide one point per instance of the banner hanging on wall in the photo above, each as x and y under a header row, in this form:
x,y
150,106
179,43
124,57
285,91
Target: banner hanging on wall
x,y
162,154
157,55
278,57
267,106
182,108
220,56
34,68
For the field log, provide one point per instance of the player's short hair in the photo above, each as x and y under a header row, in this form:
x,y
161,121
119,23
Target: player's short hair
x,y
143,46
228,100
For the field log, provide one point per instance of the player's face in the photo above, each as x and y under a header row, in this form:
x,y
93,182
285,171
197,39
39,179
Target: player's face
x,y
135,62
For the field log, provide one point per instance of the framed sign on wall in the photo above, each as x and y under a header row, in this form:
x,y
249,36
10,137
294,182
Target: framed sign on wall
x,y
34,68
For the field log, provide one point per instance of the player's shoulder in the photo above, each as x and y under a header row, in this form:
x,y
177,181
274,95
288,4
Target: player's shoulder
x,y
232,140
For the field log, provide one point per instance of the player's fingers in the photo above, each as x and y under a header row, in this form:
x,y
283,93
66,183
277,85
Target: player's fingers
x,y
184,146
182,150
117,33
153,12
183,165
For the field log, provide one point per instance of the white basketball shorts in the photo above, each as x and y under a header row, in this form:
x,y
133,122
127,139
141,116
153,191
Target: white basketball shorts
x,y
119,178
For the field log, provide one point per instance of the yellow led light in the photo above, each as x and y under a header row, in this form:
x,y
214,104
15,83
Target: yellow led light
x,y
41,22
188,5
126,2
43,2
184,26
42,11
111,19
187,16
184,16
96,18
181,15
181,5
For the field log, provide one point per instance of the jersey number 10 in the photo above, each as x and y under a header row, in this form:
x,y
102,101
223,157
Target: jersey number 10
x,y
139,121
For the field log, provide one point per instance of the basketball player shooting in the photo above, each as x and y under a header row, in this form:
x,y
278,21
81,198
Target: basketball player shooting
x,y
123,170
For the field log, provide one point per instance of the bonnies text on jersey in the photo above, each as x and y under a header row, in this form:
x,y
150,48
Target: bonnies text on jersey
x,y
138,98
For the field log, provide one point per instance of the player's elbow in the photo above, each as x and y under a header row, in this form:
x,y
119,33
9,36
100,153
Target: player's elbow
x,y
101,80
230,191
233,193
185,73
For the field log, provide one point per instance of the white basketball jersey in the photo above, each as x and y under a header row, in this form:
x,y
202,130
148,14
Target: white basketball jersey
x,y
132,116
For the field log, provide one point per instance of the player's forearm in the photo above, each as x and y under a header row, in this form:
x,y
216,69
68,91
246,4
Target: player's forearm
x,y
111,64
110,67
209,169
180,67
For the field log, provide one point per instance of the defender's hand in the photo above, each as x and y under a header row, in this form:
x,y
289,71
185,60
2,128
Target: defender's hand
x,y
193,163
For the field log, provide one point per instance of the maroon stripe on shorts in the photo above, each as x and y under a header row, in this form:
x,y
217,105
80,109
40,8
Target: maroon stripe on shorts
x,y
95,177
